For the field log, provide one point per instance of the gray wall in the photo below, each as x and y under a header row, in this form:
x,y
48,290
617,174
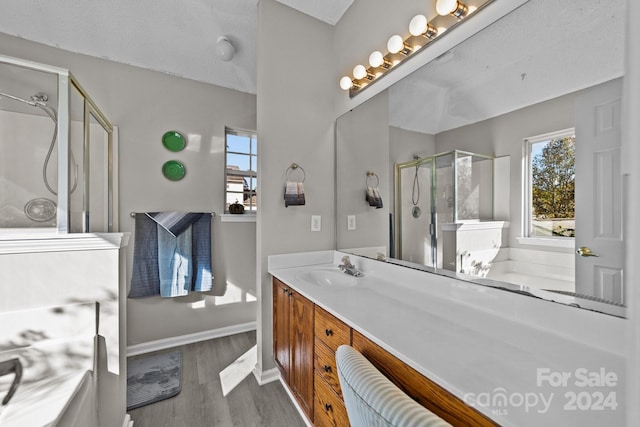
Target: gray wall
x,y
144,104
362,137
295,124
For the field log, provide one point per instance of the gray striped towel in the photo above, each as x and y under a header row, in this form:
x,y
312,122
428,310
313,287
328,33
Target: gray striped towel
x,y
174,222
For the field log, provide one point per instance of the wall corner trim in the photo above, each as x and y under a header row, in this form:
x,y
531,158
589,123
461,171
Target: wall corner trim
x,y
127,422
264,377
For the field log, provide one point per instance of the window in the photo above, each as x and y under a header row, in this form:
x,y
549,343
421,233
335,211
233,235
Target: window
x,y
550,186
241,169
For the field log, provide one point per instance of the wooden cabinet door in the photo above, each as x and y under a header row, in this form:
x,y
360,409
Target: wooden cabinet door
x,y
281,333
301,327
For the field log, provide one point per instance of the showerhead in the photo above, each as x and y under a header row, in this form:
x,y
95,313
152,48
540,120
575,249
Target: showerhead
x,y
40,98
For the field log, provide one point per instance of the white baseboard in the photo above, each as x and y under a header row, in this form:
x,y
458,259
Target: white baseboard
x,y
165,343
264,377
295,403
127,422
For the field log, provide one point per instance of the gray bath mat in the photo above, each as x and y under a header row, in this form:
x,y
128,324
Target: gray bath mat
x,y
154,378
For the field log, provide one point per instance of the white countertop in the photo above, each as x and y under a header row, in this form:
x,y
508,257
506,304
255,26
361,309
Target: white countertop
x,y
480,343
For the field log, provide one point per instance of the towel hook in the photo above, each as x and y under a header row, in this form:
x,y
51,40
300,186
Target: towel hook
x,y
292,168
372,174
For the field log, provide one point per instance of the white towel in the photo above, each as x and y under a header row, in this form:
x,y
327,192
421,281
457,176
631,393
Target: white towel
x,y
294,194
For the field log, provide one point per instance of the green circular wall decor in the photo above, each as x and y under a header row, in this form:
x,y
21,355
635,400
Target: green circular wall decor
x,y
174,141
173,170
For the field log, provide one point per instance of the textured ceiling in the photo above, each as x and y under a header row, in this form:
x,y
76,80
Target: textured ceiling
x,y
329,11
544,49
174,37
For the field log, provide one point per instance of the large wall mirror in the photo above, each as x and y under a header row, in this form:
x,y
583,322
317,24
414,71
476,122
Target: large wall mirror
x,y
499,161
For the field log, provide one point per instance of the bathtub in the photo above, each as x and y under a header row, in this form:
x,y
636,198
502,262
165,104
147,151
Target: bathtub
x,y
56,348
544,270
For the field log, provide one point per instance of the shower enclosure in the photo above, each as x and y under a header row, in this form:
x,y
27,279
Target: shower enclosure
x,y
56,153
431,192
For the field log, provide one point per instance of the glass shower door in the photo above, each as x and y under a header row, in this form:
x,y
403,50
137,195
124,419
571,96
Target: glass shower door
x,y
445,189
414,209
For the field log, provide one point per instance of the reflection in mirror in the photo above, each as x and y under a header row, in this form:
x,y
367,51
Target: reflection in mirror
x,y
461,185
451,188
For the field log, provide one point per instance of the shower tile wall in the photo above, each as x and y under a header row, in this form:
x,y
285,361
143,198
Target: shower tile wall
x,y
24,142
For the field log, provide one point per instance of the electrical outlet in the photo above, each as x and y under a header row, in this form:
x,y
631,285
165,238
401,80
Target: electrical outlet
x,y
351,222
316,222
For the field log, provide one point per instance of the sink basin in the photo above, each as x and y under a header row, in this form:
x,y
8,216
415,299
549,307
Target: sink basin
x,y
328,277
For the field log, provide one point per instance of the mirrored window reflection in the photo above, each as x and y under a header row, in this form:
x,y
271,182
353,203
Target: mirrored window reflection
x,y
551,186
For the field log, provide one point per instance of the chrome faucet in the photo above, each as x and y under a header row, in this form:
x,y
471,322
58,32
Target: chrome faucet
x,y
349,268
11,366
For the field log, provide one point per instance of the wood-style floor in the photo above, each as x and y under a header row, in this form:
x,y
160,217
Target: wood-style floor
x,y
201,401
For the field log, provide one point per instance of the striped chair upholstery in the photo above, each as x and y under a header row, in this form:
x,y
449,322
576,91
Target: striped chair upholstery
x,y
372,400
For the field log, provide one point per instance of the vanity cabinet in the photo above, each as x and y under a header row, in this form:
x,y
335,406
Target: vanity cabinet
x,y
330,333
293,342
420,388
306,337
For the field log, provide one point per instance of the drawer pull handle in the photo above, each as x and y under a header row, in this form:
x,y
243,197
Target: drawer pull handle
x,y
328,332
285,290
327,368
327,407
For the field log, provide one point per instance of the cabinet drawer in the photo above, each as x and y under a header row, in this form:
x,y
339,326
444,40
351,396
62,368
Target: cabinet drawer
x,y
325,364
330,330
329,409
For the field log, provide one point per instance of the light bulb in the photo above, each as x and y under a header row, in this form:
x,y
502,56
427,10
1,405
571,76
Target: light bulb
x,y
346,83
396,45
445,7
359,72
451,7
376,59
417,25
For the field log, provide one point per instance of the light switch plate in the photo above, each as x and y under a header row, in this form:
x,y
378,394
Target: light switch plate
x,y
351,222
316,222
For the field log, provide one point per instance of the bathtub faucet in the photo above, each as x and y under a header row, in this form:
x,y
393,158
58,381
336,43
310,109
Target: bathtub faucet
x,y
11,366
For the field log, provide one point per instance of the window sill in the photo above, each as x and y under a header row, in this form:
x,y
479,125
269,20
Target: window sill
x,y
541,241
238,217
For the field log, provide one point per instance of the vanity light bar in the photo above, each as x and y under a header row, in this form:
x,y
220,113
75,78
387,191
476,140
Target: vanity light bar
x,y
421,33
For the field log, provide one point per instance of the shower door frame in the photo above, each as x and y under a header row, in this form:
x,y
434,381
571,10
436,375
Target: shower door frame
x,y
65,82
398,205
433,227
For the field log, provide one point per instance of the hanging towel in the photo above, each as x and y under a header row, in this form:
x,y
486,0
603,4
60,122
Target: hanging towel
x,y
373,197
201,253
294,194
174,262
174,222
145,280
166,265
